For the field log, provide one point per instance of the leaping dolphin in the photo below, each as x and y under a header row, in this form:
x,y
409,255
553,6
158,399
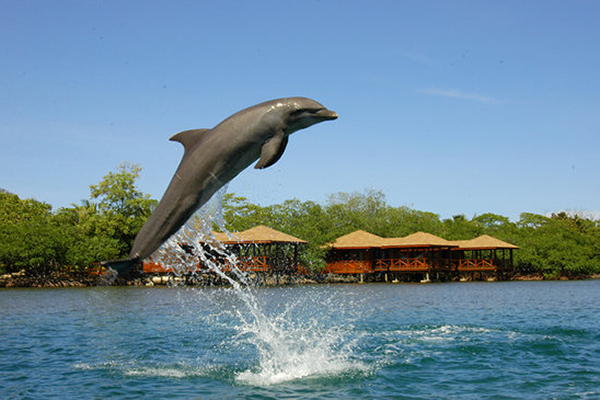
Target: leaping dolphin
x,y
212,157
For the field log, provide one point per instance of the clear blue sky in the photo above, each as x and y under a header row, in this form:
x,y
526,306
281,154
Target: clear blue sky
x,y
453,107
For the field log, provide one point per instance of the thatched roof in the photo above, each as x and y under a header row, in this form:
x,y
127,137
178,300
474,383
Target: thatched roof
x,y
357,240
419,239
483,242
259,234
221,236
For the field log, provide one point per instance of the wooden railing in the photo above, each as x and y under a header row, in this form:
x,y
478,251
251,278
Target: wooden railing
x,y
402,264
475,265
248,264
348,267
261,264
254,264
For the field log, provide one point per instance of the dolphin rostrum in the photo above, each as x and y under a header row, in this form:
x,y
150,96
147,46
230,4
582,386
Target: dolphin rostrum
x,y
213,157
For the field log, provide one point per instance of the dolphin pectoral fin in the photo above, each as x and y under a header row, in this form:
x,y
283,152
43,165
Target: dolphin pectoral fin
x,y
272,150
189,138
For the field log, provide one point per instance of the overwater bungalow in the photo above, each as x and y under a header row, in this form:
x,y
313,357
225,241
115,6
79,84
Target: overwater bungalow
x,y
422,253
419,252
483,254
262,249
353,253
259,249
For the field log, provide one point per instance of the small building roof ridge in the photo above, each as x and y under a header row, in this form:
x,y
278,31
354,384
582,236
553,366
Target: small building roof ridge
x,y
263,234
357,240
484,242
418,239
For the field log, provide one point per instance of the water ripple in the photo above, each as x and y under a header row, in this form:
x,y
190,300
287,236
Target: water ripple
x,y
361,341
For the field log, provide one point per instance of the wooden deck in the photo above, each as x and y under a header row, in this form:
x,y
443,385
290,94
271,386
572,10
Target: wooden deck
x,y
348,267
361,252
250,264
413,265
475,265
246,264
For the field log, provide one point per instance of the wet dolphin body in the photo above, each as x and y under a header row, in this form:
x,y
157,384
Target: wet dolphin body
x,y
213,157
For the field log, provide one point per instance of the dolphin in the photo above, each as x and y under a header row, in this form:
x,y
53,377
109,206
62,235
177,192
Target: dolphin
x,y
212,157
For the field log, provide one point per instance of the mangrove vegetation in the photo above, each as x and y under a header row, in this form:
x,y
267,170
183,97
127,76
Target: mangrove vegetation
x,y
37,240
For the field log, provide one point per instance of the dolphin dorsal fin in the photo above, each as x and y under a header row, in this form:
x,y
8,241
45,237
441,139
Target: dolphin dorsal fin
x,y
189,138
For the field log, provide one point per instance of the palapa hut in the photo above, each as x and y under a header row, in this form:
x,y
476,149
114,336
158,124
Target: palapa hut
x,y
262,249
353,253
265,250
362,252
419,252
482,254
259,249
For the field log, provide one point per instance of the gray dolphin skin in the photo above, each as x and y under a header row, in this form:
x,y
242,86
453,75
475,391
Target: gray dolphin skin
x,y
213,157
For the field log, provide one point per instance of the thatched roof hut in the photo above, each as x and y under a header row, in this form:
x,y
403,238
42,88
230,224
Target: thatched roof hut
x,y
357,240
259,235
483,242
419,239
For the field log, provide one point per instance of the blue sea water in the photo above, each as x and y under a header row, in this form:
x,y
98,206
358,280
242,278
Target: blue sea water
x,y
449,341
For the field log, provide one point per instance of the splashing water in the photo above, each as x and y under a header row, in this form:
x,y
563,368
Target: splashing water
x,y
288,348
196,241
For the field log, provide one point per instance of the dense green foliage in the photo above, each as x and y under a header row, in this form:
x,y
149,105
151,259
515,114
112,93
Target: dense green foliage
x,y
559,245
35,238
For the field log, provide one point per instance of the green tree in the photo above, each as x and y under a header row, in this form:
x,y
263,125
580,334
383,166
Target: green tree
x,y
305,220
239,214
560,245
403,221
352,211
491,221
460,228
29,237
121,209
87,240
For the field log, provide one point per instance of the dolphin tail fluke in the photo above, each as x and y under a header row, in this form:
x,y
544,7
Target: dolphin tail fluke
x,y
122,267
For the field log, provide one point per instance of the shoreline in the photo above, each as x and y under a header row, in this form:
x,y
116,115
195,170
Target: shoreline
x,y
82,279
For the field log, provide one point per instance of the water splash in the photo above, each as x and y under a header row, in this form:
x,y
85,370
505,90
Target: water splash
x,y
195,249
288,348
291,349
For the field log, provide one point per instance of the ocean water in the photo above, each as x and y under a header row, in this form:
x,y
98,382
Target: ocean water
x,y
452,341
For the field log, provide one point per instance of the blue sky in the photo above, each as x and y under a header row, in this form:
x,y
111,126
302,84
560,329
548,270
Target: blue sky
x,y
453,107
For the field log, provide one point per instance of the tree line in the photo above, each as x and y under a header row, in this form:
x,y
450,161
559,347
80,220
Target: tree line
x,y
37,239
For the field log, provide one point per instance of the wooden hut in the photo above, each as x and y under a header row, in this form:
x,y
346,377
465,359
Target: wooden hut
x,y
353,253
259,249
262,249
483,254
362,252
419,252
